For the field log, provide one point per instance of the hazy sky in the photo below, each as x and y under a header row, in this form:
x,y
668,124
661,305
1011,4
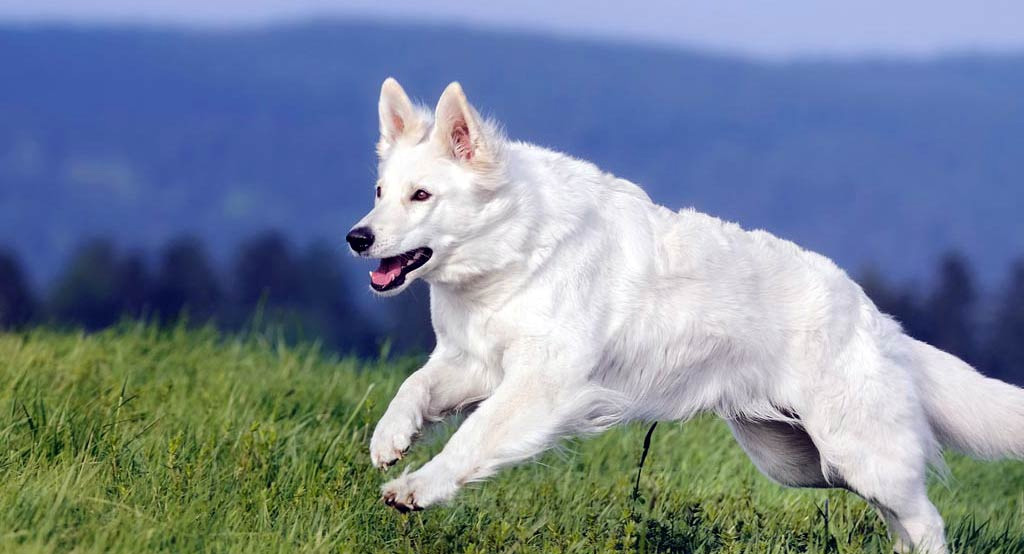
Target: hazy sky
x,y
780,28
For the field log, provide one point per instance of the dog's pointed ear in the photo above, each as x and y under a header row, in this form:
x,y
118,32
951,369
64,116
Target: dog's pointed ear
x,y
458,128
398,118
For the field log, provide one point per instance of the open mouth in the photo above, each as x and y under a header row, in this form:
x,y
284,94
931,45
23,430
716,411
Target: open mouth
x,y
392,271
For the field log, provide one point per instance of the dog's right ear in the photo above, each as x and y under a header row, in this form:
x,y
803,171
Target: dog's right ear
x,y
399,119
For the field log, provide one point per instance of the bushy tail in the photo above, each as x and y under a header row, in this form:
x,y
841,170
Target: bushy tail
x,y
969,412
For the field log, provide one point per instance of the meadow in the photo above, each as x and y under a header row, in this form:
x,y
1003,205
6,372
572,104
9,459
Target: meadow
x,y
141,439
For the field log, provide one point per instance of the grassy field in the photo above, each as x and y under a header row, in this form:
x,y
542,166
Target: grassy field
x,y
140,440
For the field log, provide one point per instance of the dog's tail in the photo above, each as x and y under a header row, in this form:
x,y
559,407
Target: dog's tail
x,y
969,412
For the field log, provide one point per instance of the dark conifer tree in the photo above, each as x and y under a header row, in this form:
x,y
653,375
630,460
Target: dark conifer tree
x,y
266,271
950,317
86,292
1007,345
186,281
133,285
17,303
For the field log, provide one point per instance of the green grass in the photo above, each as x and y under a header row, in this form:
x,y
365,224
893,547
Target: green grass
x,y
140,440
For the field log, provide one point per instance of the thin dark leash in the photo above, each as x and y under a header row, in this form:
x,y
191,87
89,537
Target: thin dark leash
x,y
643,457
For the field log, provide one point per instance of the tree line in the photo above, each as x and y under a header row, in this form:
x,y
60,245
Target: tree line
x,y
303,292
306,293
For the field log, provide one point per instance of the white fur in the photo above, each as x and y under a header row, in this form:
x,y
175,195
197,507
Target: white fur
x,y
566,301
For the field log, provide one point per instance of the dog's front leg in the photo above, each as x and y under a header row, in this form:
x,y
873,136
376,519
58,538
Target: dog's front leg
x,y
526,414
443,383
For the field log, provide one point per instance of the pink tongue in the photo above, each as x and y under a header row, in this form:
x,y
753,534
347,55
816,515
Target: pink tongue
x,y
389,269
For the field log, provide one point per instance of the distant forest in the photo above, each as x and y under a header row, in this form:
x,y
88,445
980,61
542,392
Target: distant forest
x,y
307,294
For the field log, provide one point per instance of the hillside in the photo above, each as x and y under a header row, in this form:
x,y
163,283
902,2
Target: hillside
x,y
144,133
139,440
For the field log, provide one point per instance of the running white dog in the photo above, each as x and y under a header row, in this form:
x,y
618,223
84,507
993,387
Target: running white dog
x,y
564,301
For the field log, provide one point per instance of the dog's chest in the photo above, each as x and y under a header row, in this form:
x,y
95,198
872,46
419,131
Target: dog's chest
x,y
477,333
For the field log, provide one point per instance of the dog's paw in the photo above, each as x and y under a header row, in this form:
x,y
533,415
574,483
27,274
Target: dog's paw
x,y
390,440
416,491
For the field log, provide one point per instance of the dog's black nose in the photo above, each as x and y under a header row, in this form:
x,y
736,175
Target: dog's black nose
x,y
360,239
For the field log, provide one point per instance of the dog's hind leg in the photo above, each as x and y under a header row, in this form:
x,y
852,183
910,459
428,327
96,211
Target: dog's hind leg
x,y
787,454
783,451
914,523
895,485
878,442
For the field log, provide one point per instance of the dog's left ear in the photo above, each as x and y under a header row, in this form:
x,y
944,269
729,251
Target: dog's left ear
x,y
459,130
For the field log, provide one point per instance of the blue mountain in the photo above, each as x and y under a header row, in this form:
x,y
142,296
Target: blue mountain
x,y
145,133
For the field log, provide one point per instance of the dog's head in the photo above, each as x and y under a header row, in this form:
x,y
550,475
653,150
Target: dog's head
x,y
436,177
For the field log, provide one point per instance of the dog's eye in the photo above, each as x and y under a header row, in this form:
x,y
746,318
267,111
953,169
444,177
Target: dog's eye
x,y
420,195
378,191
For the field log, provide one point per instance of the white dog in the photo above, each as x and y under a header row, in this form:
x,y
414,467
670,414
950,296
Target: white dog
x,y
564,301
